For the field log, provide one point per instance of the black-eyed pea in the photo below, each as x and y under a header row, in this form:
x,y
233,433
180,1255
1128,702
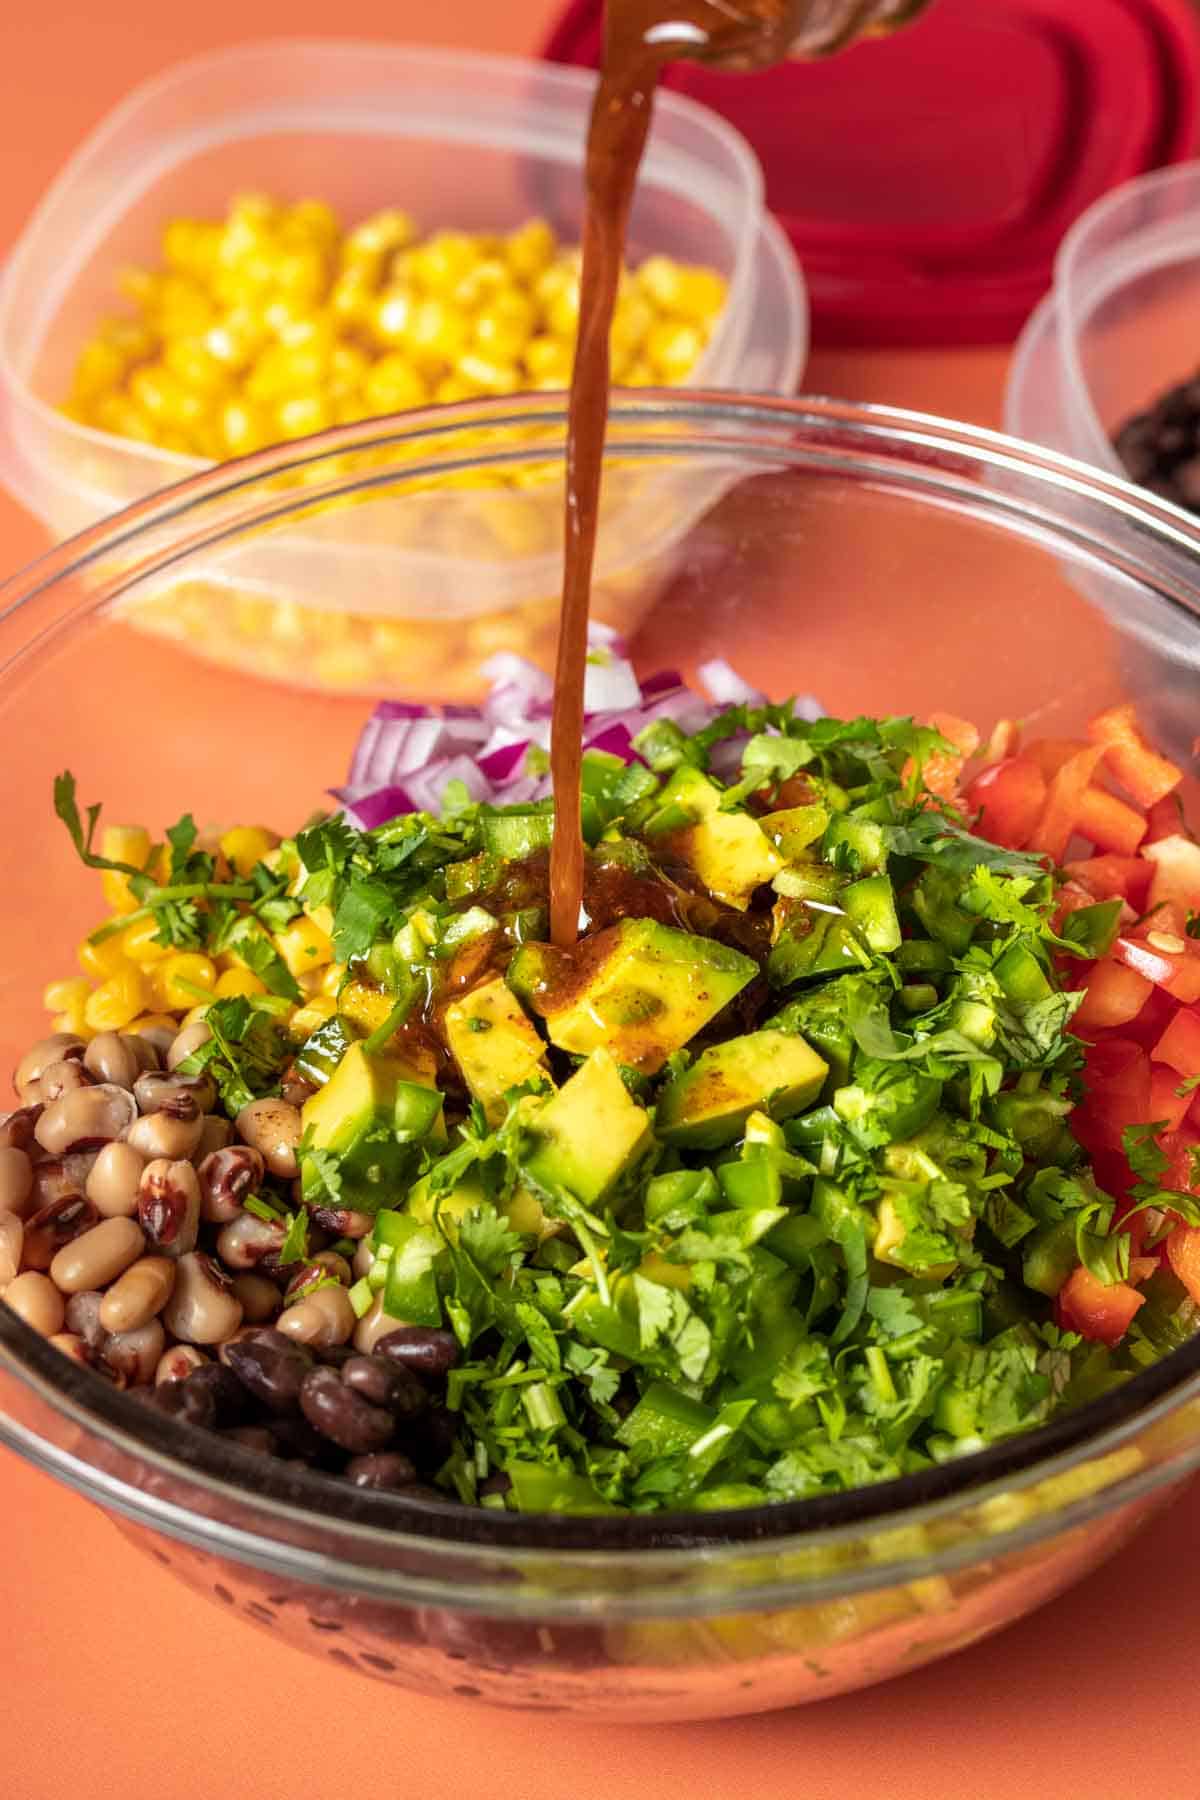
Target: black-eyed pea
x,y
326,1265
97,1257
12,1240
63,1078
190,1039
169,1205
17,1129
85,1119
112,1186
83,1319
113,1057
273,1128
16,1182
139,1295
374,1324
177,1363
260,1298
227,1177
217,1133
321,1320
203,1309
56,1225
133,1356
339,1221
35,1299
247,1241
158,1092
72,1346
172,1133
58,1047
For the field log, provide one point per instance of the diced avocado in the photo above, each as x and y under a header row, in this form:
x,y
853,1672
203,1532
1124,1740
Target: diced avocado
x,y
494,1043
323,1050
370,1115
365,1006
638,989
822,1015
730,852
707,1105
892,1241
589,1135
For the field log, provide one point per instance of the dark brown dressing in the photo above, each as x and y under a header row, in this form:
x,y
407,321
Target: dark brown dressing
x,y
641,37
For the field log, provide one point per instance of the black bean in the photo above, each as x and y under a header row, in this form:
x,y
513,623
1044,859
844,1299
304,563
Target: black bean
x,y
343,1416
253,1437
385,1469
296,1440
179,1400
336,1356
421,1348
231,1398
272,1367
431,1437
385,1384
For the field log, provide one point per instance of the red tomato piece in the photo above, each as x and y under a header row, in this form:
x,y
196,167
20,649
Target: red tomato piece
x,y
1101,1314
1179,1044
1183,1254
1117,1084
1114,878
1152,1021
1168,961
1059,820
1051,753
1179,1148
1138,767
1009,797
1176,864
1164,819
1114,995
1110,823
1166,1102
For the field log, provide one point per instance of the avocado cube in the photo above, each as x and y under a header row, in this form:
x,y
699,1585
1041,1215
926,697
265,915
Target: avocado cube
x,y
729,851
638,989
588,1136
708,1105
370,1115
494,1043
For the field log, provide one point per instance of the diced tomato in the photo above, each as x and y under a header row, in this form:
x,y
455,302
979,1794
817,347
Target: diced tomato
x,y
1102,1314
1009,797
1109,823
1118,1093
1051,753
1166,1102
1141,1268
1059,819
1152,1021
1176,864
1179,1044
1164,819
1114,878
1168,961
1183,1254
1145,774
1114,995
1168,917
1179,1148
942,770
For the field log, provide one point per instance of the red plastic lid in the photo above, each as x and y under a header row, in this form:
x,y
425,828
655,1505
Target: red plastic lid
x,y
926,182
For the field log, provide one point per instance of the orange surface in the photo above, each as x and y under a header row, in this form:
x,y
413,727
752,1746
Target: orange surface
x,y
118,1681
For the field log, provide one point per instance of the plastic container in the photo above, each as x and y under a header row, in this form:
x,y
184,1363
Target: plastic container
x,y
479,142
1116,331
882,560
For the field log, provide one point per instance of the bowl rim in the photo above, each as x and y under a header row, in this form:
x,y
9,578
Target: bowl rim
x,y
190,1455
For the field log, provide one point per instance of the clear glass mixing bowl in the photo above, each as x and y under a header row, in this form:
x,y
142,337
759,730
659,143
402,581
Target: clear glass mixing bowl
x,y
881,560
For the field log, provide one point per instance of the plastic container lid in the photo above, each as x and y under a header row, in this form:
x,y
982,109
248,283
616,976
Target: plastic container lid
x,y
926,183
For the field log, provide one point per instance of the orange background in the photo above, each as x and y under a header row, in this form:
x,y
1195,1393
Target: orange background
x,y
116,1681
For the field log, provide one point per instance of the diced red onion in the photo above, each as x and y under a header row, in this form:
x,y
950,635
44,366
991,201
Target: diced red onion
x,y
508,760
723,684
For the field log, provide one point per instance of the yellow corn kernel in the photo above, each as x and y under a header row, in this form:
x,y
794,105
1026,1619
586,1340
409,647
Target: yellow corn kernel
x,y
673,348
140,943
153,1021
381,235
310,221
310,1017
442,260
632,320
74,1022
246,845
505,325
244,427
481,284
116,1001
548,360
530,249
67,996
392,385
127,844
124,418
237,338
100,366
700,295
304,946
303,414
103,959
661,280
234,983
562,313
437,335
175,980
485,375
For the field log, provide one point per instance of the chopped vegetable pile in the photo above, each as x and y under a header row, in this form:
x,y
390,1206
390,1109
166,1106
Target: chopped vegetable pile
x,y
855,1135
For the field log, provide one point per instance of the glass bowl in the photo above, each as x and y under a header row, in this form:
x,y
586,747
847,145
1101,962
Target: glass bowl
x,y
882,560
